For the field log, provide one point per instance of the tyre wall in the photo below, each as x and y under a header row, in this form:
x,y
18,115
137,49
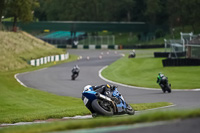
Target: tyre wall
x,y
181,62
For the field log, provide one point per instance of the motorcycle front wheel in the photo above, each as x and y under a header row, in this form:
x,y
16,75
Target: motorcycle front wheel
x,y
130,110
73,78
102,107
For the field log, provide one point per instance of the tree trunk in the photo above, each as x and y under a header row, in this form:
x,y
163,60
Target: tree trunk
x,y
190,19
193,27
2,6
128,16
15,24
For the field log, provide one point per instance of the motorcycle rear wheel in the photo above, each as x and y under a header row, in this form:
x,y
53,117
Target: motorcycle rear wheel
x,y
168,88
98,108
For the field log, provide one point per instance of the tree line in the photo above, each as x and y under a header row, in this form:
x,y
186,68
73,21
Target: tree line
x,y
158,12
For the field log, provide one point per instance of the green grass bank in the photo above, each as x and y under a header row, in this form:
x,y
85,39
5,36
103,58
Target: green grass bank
x,y
142,71
18,103
17,48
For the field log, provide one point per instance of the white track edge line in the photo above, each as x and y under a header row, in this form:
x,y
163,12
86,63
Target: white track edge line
x,y
25,73
19,80
144,88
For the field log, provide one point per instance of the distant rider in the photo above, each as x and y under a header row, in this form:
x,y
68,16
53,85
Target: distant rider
x,y
105,89
76,70
132,54
159,78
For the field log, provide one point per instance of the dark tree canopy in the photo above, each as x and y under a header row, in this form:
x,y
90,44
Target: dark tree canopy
x,y
157,12
20,10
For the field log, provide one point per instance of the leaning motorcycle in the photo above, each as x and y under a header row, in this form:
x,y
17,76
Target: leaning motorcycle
x,y
164,85
74,75
131,55
100,104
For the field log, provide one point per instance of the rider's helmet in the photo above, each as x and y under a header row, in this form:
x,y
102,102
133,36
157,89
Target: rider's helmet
x,y
88,88
160,74
76,67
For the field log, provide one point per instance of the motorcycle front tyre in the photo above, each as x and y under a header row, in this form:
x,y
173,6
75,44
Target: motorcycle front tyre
x,y
99,109
130,110
73,78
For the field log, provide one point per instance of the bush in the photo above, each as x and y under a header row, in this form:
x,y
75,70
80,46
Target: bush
x,y
159,33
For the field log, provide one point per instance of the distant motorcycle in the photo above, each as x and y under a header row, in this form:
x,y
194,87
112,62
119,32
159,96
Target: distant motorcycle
x,y
164,85
74,75
132,55
75,72
100,104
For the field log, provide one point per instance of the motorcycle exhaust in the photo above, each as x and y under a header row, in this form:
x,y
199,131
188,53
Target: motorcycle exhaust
x,y
98,95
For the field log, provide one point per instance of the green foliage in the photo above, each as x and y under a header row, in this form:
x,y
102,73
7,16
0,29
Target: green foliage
x,y
87,10
168,13
2,6
184,12
22,10
159,33
153,8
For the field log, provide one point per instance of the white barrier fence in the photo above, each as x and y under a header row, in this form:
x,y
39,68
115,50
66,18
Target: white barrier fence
x,y
45,60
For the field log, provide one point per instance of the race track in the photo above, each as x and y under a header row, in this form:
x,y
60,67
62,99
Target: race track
x,y
57,80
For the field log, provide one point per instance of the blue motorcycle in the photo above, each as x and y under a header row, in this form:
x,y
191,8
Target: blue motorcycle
x,y
100,104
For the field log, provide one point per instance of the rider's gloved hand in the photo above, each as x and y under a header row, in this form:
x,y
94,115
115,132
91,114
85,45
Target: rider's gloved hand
x,y
113,87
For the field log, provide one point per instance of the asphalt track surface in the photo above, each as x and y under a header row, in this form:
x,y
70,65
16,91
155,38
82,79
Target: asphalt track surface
x,y
57,80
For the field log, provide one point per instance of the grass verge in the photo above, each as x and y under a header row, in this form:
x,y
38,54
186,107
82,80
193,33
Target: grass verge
x,y
103,121
18,103
26,104
142,71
